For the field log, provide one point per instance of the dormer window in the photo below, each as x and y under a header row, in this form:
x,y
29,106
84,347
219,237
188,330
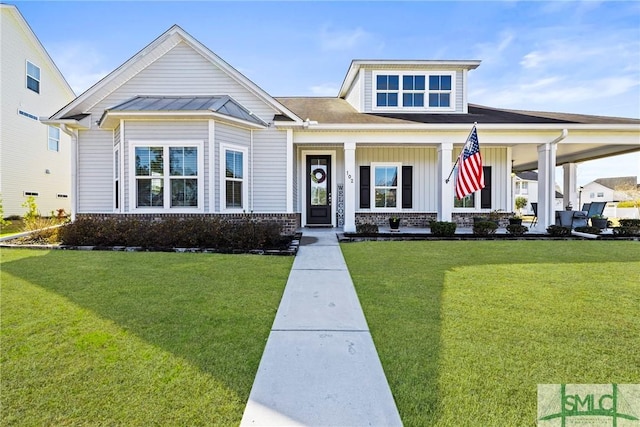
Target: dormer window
x,y
440,91
413,91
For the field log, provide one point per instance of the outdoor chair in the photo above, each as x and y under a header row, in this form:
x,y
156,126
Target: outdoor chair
x,y
534,206
596,208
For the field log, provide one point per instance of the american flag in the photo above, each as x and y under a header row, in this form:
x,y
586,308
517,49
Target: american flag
x,y
470,177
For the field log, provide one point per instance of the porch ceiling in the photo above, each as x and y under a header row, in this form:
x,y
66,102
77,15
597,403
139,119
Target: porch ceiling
x,y
525,157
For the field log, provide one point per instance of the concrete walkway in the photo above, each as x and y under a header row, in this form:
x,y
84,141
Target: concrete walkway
x,y
320,366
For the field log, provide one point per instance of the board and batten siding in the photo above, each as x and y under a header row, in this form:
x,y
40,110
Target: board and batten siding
x,y
425,172
184,72
269,181
187,130
370,89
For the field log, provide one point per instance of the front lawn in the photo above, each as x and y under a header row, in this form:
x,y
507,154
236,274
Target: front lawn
x,y
114,338
467,329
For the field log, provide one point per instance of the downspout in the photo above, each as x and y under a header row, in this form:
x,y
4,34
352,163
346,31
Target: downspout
x,y
73,133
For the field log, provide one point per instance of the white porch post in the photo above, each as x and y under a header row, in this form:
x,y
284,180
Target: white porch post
x,y
445,190
570,186
349,187
290,154
546,185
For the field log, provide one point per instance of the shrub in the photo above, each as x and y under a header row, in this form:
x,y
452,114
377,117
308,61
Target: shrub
x,y
367,229
588,230
517,229
2,220
443,228
214,233
484,228
628,222
558,231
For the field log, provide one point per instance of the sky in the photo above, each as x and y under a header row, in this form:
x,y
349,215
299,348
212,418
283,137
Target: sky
x,y
564,56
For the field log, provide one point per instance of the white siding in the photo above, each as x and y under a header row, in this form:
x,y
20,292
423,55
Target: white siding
x,y
269,171
159,131
24,153
354,96
226,134
95,171
425,180
183,71
424,161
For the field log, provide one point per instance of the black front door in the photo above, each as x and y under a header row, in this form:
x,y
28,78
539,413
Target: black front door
x,y
318,190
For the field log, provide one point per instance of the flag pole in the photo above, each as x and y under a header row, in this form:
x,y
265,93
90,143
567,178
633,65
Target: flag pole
x,y
446,181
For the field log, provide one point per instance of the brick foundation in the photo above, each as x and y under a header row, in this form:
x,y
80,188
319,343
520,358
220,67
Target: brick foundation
x,y
289,222
422,219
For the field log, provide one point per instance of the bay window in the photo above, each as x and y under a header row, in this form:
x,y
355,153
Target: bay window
x,y
167,175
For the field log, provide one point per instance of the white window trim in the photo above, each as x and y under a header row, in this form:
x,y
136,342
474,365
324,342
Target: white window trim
x,y
245,179
401,74
26,77
398,207
165,144
49,139
476,204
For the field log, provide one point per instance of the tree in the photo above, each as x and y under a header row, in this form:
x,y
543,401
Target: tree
x,y
632,193
521,203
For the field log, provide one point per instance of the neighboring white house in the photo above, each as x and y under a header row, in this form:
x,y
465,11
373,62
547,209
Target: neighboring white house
x,y
175,129
605,189
34,157
525,184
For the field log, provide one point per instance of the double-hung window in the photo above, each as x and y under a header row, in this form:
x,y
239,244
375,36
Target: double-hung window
x,y
413,91
440,91
168,176
234,179
387,88
54,139
386,185
33,77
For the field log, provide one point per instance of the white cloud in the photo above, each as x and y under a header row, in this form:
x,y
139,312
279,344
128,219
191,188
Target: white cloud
x,y
333,40
80,63
324,89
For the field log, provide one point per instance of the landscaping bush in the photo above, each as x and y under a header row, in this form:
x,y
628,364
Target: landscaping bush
x,y
442,228
558,231
367,229
517,230
485,228
588,230
211,233
628,228
627,222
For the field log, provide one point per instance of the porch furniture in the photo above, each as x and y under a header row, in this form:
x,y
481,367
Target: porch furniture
x,y
534,206
571,219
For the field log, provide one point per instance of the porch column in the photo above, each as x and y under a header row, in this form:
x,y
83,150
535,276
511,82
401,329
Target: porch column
x,y
570,186
290,171
349,187
444,190
546,185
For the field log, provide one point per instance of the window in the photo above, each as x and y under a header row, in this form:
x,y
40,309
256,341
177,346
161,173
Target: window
x,y
413,91
116,178
54,139
387,91
480,199
234,178
167,176
522,187
467,202
386,186
600,194
33,77
440,91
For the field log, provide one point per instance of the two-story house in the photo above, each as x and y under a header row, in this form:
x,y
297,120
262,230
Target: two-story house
x,y
35,158
608,189
177,130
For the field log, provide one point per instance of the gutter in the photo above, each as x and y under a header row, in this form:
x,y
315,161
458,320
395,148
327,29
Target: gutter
x,y
73,133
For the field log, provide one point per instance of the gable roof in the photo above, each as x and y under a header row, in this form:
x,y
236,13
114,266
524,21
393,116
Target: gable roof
x,y
615,182
147,56
223,105
527,175
338,111
13,10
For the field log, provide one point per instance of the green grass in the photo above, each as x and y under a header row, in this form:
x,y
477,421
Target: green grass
x,y
467,329
113,338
